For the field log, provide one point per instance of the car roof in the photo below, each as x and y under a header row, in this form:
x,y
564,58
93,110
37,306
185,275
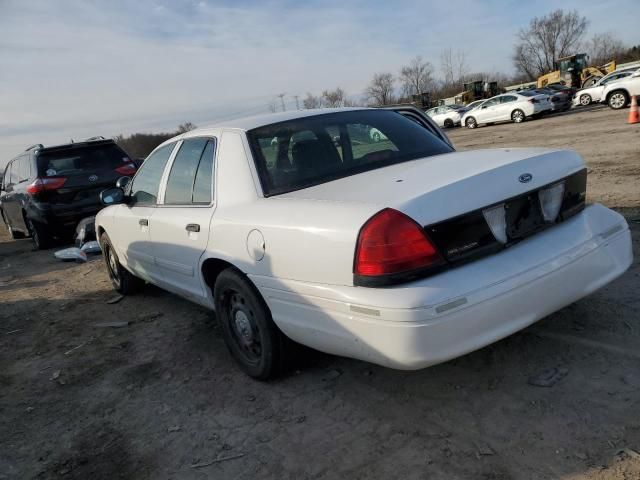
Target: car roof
x,y
249,123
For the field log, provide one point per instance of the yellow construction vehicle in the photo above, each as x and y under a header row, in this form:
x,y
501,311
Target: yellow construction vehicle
x,y
573,71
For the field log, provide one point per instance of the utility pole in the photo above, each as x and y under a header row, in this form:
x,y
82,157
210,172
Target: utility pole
x,y
297,103
282,101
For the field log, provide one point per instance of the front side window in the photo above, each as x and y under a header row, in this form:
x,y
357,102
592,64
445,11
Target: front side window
x,y
309,150
145,185
491,103
191,174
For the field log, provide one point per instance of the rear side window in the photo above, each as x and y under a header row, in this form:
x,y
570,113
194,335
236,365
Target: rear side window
x,y
307,151
508,98
81,159
145,186
191,167
24,168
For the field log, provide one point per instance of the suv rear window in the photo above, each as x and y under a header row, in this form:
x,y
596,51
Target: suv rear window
x,y
77,160
308,151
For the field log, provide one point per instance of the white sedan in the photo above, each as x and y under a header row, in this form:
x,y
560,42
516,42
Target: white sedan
x,y
446,116
593,94
514,107
401,252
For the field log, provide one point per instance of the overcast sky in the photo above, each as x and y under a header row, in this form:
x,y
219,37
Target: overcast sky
x,y
74,69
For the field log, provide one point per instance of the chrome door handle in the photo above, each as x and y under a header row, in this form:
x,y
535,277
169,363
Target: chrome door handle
x,y
193,227
143,222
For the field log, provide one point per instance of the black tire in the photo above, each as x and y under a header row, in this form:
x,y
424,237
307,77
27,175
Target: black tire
x,y
585,99
617,99
518,116
448,123
123,281
41,237
470,122
253,339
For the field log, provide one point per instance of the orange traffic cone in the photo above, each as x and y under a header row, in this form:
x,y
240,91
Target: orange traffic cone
x,y
634,116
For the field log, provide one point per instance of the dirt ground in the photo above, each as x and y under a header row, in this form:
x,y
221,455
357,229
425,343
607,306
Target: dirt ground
x,y
160,398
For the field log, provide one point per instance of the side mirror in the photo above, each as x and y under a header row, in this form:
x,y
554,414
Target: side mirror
x,y
112,196
123,182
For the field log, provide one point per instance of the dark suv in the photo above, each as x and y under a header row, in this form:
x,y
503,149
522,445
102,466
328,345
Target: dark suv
x,y
46,191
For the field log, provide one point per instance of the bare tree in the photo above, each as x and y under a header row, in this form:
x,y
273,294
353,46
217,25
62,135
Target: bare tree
x,y
604,47
547,39
311,101
380,89
333,98
454,67
416,77
186,127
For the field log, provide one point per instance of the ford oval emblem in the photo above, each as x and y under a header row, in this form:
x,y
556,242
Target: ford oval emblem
x,y
93,178
525,178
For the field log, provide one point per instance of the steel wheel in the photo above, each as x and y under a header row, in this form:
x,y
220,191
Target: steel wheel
x,y
585,99
112,266
618,100
517,116
252,337
244,329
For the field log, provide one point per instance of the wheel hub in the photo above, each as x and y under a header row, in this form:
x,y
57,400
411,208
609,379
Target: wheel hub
x,y
242,326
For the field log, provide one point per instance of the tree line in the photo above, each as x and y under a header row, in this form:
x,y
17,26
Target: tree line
x,y
536,52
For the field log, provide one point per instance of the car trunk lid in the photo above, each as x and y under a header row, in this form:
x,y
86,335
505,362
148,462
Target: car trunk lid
x,y
441,187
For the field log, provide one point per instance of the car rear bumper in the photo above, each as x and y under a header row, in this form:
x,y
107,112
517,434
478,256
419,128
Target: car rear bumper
x,y
453,313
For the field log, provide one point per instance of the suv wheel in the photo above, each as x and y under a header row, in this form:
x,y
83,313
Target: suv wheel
x,y
253,339
618,99
38,233
585,99
123,281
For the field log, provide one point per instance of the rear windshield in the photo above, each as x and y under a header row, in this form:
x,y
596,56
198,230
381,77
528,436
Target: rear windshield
x,y
77,160
309,151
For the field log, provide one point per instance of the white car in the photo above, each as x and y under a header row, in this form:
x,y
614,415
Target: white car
x,y
618,94
400,252
446,116
515,107
593,94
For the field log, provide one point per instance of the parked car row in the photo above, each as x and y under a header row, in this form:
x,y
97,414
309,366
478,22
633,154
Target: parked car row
x,y
46,191
614,89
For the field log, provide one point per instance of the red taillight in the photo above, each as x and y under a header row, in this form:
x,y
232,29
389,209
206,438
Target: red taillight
x,y
40,185
390,242
127,169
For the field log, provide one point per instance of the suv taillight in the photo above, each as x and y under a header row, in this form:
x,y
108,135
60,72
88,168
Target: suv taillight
x,y
127,169
391,244
40,185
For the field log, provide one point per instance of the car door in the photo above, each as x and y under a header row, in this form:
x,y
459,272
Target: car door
x,y
22,173
180,225
487,112
8,195
131,235
505,107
